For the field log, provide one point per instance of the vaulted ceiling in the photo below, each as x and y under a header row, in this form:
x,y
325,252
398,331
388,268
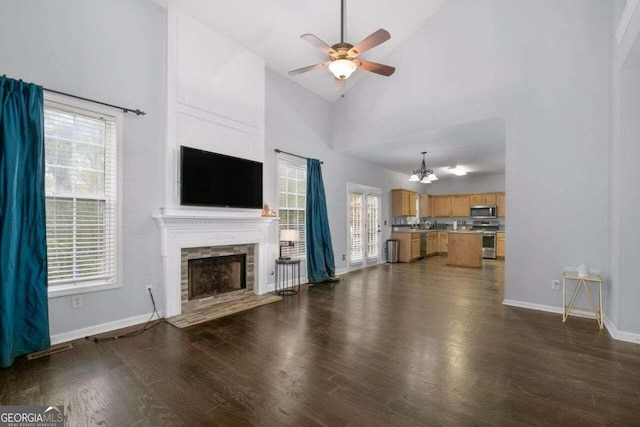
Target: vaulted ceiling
x,y
272,29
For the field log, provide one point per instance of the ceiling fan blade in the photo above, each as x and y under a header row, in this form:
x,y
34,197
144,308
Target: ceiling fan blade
x,y
319,44
309,68
374,67
371,41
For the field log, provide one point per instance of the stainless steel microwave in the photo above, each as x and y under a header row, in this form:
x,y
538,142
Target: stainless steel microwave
x,y
484,211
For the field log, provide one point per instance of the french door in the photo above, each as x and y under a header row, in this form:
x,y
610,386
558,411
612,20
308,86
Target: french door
x,y
364,225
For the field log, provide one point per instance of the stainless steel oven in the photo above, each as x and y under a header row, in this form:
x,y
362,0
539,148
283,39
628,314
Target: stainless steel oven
x,y
489,235
489,244
483,211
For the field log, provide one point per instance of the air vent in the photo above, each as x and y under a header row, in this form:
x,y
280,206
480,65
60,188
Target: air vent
x,y
51,350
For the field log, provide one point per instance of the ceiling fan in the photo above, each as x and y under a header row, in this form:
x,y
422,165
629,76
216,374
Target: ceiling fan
x,y
343,57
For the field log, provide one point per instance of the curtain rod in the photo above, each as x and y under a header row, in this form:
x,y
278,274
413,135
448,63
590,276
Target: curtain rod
x,y
124,110
277,150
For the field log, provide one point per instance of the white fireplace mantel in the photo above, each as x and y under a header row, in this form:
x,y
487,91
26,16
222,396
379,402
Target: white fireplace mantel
x,y
191,229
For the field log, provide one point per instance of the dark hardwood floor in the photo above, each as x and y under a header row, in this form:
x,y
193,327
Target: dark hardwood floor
x,y
401,344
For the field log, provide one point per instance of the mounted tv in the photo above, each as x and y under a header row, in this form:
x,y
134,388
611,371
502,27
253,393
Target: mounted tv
x,y
212,179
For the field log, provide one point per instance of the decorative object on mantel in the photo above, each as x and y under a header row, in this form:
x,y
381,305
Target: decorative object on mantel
x,y
266,212
342,56
424,175
290,237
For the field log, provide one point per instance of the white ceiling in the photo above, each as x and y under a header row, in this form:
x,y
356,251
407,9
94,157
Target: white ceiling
x,y
478,147
272,29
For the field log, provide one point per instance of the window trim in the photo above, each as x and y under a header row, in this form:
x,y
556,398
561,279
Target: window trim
x,y
290,158
87,107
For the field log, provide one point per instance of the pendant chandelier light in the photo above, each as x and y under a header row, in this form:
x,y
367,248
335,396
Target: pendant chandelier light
x,y
424,175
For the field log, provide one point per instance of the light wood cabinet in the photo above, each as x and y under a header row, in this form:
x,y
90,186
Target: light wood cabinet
x,y
484,199
502,205
425,201
408,246
476,199
441,206
415,246
443,242
412,204
489,199
457,205
403,203
500,245
460,206
432,244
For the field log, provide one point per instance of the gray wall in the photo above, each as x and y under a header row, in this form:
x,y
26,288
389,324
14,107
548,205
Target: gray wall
x,y
300,122
542,67
112,51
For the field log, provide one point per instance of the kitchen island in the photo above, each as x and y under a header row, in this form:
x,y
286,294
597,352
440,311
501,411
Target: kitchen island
x,y
465,248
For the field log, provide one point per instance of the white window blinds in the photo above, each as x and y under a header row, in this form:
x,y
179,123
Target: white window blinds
x,y
292,201
80,188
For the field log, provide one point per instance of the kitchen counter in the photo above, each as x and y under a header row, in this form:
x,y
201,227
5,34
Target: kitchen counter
x,y
465,248
465,231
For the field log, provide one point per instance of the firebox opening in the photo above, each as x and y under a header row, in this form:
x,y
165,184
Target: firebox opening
x,y
216,275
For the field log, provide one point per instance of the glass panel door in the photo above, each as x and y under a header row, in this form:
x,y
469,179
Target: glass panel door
x,y
364,228
373,228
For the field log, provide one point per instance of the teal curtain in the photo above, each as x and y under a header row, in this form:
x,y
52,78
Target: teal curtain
x,y
320,262
24,313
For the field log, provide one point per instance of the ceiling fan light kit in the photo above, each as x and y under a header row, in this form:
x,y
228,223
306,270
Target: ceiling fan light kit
x,y
424,174
342,68
342,56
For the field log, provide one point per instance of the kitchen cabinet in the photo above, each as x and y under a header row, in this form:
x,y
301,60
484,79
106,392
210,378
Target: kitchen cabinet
x,y
500,245
432,244
425,203
465,249
457,205
502,205
489,199
476,199
441,206
415,246
484,199
443,242
408,246
460,206
403,202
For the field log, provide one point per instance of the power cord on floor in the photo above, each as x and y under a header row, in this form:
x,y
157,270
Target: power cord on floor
x,y
137,332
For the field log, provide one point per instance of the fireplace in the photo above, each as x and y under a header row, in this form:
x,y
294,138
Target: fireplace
x,y
195,230
216,275
212,275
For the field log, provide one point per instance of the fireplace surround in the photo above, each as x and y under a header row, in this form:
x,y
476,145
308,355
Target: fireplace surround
x,y
181,229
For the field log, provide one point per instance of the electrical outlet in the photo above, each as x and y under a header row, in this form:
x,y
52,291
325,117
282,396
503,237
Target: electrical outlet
x,y
344,257
76,301
149,289
555,285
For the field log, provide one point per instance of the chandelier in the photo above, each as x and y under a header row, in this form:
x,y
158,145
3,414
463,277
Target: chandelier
x,y
424,175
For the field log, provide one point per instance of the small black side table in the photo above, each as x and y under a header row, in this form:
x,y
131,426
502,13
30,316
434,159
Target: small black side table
x,y
287,276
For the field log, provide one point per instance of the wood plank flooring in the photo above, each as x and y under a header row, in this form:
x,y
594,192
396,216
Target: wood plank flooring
x,y
400,344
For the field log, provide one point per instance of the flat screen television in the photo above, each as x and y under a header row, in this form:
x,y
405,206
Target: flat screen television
x,y
212,179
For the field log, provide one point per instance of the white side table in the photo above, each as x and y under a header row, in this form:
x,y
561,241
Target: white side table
x,y
582,283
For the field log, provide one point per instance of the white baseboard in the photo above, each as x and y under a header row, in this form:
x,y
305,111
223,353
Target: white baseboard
x,y
620,335
99,329
548,308
608,323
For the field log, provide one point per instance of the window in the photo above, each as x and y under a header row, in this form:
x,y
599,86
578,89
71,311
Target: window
x,y
292,201
81,198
